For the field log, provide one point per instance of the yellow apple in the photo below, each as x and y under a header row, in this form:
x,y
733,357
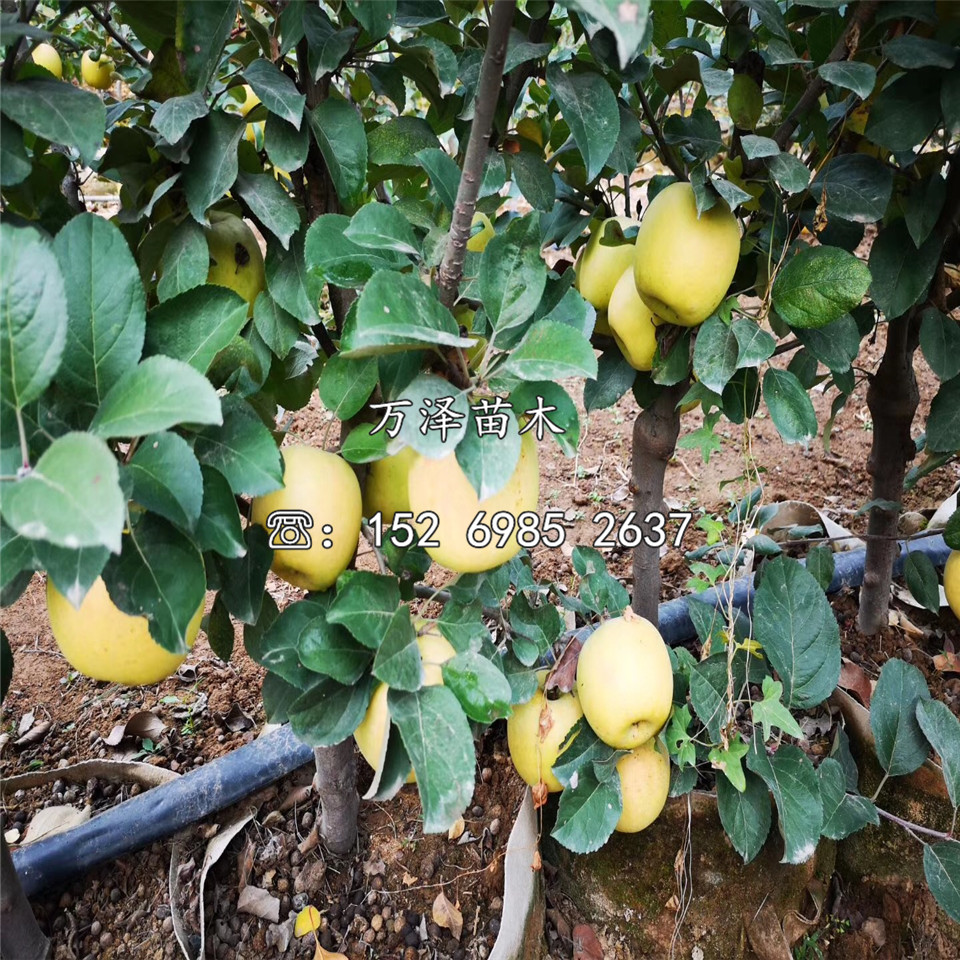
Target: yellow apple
x,y
625,681
684,265
536,731
96,73
372,733
529,129
603,260
951,582
478,241
386,489
325,487
602,325
45,55
631,323
104,643
235,258
250,100
644,785
442,487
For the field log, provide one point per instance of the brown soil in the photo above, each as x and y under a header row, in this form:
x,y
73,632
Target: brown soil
x,y
121,910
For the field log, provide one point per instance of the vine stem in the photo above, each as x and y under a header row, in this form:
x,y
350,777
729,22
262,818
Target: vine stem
x,y
488,87
911,827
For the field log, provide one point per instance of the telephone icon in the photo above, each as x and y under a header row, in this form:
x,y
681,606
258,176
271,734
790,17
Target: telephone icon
x,y
289,529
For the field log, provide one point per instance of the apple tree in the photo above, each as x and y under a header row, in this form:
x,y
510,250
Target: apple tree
x,y
372,146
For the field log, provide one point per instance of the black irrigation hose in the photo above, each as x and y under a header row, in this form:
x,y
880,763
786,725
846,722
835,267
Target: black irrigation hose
x,y
163,810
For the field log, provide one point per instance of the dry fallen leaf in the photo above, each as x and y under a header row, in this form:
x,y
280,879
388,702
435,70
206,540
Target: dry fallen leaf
x,y
586,946
563,676
321,954
258,902
540,795
446,915
947,662
408,879
51,820
308,921
537,863
456,831
853,678
143,724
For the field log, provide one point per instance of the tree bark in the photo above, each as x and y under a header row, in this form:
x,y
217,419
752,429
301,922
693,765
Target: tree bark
x,y
335,783
20,936
892,398
655,433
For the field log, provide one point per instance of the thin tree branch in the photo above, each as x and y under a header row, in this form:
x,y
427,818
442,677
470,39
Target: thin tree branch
x,y
666,153
845,47
104,20
26,12
488,90
911,827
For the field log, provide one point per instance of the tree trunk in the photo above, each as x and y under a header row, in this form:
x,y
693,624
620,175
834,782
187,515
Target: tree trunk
x,y
892,398
20,936
335,783
655,433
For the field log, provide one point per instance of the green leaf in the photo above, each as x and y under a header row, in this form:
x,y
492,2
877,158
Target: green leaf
x,y
943,424
755,147
15,165
627,24
397,311
715,354
398,662
424,393
380,226
795,625
437,737
270,204
329,712
565,416
346,384
708,683
272,640
195,326
906,111
942,729
923,207
186,261
588,812
590,108
202,30
71,497
729,761
377,19
819,285
166,478
614,378
59,112
512,274
158,575
551,351
244,578
289,283
277,91
332,257
443,172
770,712
73,572
791,173
755,344
397,142
365,604
219,629
361,447
921,577
33,311
836,345
242,449
912,52
488,461
534,180
338,130
901,745
286,146
463,626
858,77
820,565
327,44
745,102
843,813
174,116
482,689
218,528
213,162
699,132
941,867
790,407
158,393
795,787
328,649
278,329
539,624
857,187
745,814
901,273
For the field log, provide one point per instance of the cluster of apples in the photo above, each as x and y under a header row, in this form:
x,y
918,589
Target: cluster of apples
x,y
677,270
624,691
96,73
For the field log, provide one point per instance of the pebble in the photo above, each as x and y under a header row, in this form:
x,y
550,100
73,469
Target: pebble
x,y
106,938
300,901
116,895
95,928
370,936
412,939
433,931
486,774
495,826
410,953
477,811
494,925
167,926
376,923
